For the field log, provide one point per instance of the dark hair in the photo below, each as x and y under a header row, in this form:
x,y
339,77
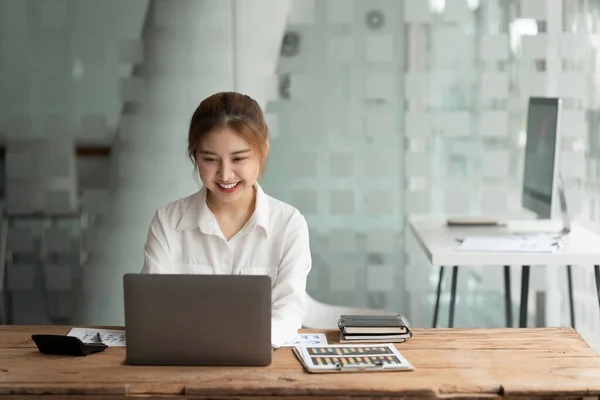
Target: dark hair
x,y
230,110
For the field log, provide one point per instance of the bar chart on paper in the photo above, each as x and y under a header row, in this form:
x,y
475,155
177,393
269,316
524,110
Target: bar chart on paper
x,y
367,360
348,351
351,358
305,339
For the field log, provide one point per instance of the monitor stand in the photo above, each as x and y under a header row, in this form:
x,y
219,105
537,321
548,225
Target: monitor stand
x,y
566,221
562,201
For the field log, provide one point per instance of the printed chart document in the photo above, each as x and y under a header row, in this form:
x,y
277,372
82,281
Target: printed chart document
x,y
511,243
109,337
305,339
352,358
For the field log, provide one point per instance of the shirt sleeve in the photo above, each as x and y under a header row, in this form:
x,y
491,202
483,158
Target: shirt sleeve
x,y
289,291
157,256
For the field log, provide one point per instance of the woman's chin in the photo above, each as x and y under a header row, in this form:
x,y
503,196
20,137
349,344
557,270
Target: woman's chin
x,y
229,196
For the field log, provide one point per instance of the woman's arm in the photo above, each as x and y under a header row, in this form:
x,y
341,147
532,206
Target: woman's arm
x,y
288,293
156,250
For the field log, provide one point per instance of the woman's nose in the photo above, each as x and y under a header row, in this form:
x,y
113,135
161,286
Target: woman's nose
x,y
226,172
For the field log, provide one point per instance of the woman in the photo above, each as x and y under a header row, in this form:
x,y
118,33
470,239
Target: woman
x,y
231,226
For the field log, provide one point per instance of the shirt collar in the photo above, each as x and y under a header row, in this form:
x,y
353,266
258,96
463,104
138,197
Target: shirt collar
x,y
261,210
197,213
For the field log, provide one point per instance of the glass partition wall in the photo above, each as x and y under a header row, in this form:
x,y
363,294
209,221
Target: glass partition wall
x,y
378,109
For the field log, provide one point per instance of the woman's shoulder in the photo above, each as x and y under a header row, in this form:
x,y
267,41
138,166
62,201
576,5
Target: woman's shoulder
x,y
280,210
285,219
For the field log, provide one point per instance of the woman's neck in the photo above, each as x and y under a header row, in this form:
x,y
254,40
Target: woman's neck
x,y
241,208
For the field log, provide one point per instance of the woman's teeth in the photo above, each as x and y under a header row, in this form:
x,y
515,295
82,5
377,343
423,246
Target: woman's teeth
x,y
230,186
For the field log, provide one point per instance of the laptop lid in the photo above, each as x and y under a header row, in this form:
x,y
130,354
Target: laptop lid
x,y
197,319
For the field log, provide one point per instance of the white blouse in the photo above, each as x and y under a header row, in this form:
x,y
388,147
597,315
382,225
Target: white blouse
x,y
184,238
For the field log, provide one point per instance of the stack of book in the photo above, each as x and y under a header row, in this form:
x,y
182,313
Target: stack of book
x,y
373,328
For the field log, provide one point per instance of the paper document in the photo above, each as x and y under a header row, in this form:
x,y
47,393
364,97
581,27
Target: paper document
x,y
109,337
538,243
305,339
352,358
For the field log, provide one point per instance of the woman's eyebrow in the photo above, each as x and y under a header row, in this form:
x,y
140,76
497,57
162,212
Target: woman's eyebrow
x,y
215,154
240,152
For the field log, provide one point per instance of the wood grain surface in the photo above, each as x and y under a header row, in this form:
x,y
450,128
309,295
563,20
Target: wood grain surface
x,y
450,363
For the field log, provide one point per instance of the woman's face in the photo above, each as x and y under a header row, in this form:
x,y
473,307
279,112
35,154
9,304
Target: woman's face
x,y
228,165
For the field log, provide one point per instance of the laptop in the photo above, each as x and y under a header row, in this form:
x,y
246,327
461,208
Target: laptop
x,y
198,319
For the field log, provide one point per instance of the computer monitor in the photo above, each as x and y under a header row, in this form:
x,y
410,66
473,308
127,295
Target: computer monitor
x,y
541,176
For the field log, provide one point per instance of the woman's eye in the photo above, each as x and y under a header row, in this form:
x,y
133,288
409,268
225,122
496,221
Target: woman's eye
x,y
210,159
238,159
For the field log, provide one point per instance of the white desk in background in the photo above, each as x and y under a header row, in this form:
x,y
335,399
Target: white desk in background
x,y
439,242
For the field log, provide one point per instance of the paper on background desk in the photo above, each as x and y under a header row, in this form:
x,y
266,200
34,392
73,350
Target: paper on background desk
x,y
109,337
304,339
539,243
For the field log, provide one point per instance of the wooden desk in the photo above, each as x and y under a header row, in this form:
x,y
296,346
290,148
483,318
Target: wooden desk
x,y
450,363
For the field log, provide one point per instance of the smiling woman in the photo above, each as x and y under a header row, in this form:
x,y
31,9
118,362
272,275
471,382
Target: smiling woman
x,y
230,226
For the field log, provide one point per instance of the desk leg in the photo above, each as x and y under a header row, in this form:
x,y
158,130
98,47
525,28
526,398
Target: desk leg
x,y
597,274
453,296
507,297
437,299
524,296
571,304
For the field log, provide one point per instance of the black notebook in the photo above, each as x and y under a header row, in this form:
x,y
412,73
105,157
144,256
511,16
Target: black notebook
x,y
373,325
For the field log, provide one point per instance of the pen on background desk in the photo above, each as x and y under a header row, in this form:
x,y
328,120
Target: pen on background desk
x,y
99,338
